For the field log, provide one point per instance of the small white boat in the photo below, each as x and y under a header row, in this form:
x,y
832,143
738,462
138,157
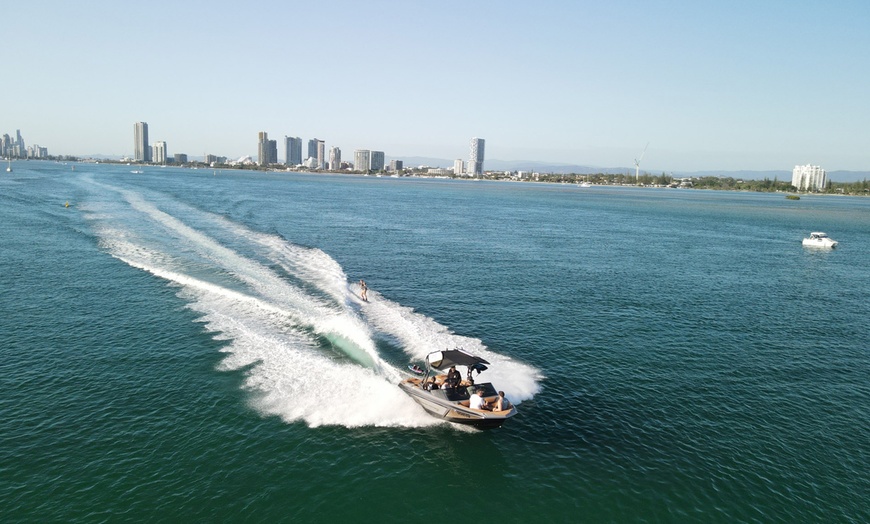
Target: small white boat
x,y
819,239
9,166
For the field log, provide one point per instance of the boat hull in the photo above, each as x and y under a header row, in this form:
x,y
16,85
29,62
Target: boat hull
x,y
819,239
827,244
435,403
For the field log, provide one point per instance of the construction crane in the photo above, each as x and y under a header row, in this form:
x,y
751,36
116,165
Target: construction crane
x,y
637,165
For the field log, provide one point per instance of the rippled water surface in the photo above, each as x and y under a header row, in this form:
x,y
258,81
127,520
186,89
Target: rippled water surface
x,y
190,345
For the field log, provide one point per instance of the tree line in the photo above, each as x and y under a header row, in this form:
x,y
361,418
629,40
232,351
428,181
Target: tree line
x,y
707,182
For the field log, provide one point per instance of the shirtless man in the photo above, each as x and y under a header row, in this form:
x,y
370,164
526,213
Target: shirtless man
x,y
501,403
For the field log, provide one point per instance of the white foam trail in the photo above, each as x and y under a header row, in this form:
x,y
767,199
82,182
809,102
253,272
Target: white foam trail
x,y
291,379
275,326
420,335
417,334
337,326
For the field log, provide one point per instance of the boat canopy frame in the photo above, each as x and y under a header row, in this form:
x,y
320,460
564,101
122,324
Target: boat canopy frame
x,y
442,360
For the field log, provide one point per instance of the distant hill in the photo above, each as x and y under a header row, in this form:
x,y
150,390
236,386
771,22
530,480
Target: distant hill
x,y
848,176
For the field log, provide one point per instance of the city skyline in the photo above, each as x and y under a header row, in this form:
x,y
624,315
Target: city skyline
x,y
17,148
710,87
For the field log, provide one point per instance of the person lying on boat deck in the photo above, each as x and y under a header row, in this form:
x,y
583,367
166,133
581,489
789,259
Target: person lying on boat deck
x,y
432,384
501,403
477,401
453,378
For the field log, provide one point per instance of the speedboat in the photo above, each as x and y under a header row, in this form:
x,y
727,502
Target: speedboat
x,y
452,403
819,239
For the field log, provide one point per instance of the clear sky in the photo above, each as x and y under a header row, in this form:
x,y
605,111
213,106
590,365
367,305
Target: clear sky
x,y
757,85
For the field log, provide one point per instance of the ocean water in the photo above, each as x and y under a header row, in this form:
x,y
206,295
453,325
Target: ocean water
x,y
189,345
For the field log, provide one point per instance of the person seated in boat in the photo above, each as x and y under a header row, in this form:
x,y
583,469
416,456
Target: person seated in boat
x,y
417,369
501,403
453,378
477,401
431,385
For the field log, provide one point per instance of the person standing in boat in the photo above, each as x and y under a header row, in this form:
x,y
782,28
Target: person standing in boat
x,y
363,290
453,378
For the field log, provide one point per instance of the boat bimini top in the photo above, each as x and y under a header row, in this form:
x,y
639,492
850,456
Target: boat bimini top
x,y
442,360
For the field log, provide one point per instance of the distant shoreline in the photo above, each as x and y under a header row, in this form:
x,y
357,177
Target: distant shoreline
x,y
860,188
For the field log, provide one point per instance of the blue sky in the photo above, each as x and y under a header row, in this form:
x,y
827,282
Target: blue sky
x,y
710,85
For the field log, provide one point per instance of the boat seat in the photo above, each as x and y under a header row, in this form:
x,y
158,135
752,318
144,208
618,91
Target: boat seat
x,y
467,404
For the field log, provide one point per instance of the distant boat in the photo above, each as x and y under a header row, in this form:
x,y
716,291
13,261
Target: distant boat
x,y
819,239
9,166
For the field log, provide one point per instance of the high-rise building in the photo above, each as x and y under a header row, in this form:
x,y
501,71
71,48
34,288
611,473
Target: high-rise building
x,y
377,161
20,141
141,148
272,153
262,144
180,158
396,165
35,151
809,178
292,150
475,161
334,158
362,160
312,148
160,152
321,154
267,150
458,167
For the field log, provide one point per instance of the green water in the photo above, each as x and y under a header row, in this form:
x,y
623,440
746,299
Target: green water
x,y
179,346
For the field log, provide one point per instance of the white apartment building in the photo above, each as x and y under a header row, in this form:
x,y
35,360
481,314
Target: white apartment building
x,y
159,152
362,160
809,178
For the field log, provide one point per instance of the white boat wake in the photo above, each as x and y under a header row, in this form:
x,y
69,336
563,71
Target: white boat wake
x,y
288,314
